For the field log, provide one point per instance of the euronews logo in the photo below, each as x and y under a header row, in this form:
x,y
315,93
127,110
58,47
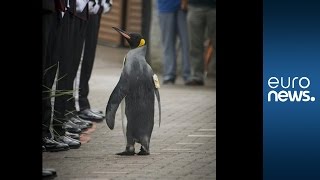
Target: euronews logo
x,y
291,89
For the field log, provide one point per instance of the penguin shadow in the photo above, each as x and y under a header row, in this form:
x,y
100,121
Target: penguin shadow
x,y
142,152
208,84
85,135
132,154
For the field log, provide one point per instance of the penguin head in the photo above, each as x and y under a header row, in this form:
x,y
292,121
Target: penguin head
x,y
134,39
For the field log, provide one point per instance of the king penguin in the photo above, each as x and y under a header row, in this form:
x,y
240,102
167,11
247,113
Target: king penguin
x,y
136,90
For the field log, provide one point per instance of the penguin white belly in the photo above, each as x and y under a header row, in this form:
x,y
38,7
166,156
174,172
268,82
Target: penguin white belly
x,y
124,119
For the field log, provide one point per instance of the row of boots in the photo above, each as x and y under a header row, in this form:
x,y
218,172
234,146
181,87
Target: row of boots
x,y
74,126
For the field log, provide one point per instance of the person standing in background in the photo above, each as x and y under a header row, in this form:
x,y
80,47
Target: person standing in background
x,y
173,23
201,18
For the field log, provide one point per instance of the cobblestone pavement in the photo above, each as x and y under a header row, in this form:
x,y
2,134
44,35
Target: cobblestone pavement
x,y
183,147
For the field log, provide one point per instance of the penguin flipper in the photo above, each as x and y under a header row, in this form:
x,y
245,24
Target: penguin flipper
x,y
115,99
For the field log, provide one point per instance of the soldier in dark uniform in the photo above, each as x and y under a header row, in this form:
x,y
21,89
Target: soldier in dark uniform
x,y
51,32
65,121
146,24
96,9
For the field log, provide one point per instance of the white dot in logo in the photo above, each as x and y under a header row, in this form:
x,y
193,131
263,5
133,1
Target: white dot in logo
x,y
312,98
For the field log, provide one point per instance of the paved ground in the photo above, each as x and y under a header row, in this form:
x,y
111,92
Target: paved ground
x,y
182,148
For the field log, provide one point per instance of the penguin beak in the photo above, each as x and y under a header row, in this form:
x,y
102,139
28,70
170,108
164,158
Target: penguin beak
x,y
123,33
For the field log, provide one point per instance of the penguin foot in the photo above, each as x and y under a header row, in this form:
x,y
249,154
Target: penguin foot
x,y
126,153
143,152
